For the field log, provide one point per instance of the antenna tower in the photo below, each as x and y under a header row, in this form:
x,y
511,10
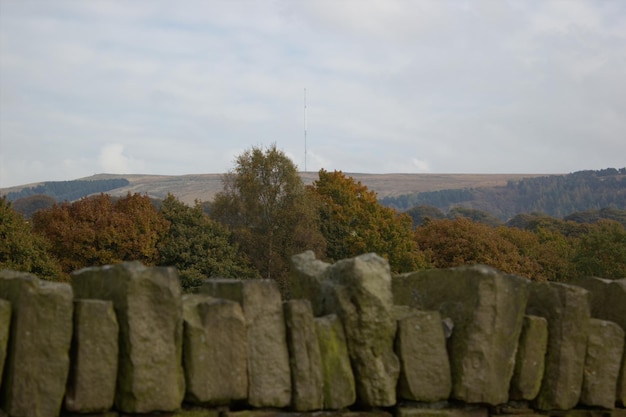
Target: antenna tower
x,y
305,130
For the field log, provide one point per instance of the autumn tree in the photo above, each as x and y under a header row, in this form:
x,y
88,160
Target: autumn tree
x,y
449,243
21,249
100,231
353,222
602,251
270,212
477,216
199,247
31,204
422,214
550,253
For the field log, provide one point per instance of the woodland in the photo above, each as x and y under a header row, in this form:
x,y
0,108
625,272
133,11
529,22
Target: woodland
x,y
265,214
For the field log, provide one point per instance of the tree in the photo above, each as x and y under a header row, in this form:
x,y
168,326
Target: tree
x,y
22,250
199,247
353,222
422,214
478,216
97,231
269,211
602,251
450,243
29,205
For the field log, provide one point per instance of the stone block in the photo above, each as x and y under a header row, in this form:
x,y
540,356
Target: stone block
x,y
487,310
608,302
269,375
566,309
307,277
215,350
148,306
421,347
338,379
446,412
93,370
530,360
616,312
37,362
5,327
605,348
358,290
305,358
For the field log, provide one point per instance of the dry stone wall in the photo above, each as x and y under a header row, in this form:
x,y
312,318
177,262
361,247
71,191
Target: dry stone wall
x,y
353,341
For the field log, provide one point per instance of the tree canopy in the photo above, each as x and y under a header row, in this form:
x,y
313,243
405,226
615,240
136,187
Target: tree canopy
x,y
269,211
99,231
199,247
353,222
21,249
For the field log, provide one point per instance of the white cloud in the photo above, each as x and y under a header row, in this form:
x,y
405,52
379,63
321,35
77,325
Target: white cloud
x,y
113,160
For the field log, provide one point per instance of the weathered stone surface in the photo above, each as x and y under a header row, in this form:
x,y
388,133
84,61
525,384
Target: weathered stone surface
x,y
598,295
608,302
307,276
447,412
530,361
338,379
37,363
487,309
269,376
621,382
605,347
103,414
5,327
589,412
615,311
93,371
149,311
421,347
566,308
358,290
305,358
280,413
215,350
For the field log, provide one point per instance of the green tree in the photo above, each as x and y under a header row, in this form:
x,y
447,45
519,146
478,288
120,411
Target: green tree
x,y
478,216
353,222
269,211
199,247
98,231
422,214
22,250
602,251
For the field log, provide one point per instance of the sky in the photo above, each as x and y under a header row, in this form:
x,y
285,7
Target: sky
x,y
392,86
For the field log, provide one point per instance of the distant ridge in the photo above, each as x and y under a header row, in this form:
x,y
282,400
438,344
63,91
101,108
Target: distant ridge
x,y
203,187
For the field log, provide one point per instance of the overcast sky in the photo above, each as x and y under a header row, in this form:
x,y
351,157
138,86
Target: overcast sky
x,y
433,86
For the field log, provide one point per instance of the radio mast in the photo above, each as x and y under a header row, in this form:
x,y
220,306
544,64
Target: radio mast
x,y
305,130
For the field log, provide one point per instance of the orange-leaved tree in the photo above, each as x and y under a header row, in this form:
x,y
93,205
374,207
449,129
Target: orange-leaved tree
x,y
98,230
450,243
354,222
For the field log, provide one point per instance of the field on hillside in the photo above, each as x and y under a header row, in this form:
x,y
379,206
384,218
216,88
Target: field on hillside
x,y
203,187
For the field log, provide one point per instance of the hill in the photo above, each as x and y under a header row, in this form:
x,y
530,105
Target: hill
x,y
554,195
203,187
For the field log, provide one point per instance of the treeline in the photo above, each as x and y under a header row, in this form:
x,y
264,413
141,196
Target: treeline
x,y
555,195
421,214
69,190
265,215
